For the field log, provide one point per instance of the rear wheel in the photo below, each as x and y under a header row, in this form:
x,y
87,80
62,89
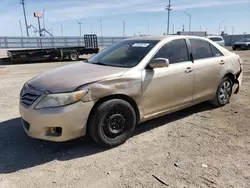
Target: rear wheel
x,y
223,93
234,48
73,56
112,122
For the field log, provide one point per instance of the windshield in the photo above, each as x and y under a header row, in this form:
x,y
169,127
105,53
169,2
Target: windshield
x,y
245,40
216,39
127,53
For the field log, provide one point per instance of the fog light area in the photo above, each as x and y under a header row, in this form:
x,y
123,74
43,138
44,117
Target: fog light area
x,y
53,131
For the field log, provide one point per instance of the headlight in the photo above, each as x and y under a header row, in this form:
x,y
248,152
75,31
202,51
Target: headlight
x,y
62,99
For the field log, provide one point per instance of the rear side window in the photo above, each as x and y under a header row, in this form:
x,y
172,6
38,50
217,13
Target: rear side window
x,y
200,49
216,39
215,51
175,51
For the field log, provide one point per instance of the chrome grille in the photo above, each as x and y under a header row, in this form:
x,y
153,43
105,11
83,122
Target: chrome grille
x,y
29,95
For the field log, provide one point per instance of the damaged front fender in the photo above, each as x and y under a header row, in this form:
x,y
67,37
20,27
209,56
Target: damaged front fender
x,y
126,85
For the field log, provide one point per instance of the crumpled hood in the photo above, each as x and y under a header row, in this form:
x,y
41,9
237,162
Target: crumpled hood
x,y
70,77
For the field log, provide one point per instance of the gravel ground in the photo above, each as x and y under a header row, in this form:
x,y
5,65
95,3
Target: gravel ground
x,y
197,147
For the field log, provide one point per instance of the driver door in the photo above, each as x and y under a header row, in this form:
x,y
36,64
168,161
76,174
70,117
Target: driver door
x,y
164,89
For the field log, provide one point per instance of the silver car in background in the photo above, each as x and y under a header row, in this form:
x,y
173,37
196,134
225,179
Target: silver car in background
x,y
243,44
218,39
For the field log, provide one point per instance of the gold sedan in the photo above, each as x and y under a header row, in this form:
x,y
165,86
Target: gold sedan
x,y
127,83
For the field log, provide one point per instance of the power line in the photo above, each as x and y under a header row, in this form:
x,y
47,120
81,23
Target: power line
x,y
23,2
169,9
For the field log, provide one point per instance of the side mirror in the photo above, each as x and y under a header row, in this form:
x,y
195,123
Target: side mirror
x,y
159,63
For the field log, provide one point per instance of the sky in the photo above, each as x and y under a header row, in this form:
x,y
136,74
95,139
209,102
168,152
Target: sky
x,y
140,16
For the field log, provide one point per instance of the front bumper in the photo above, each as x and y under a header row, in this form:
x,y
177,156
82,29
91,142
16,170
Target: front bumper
x,y
72,119
240,46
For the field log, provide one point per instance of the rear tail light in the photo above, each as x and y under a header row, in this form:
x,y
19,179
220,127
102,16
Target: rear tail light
x,y
239,61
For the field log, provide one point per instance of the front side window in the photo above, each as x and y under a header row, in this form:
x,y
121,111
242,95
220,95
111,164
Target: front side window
x,y
200,49
175,51
127,53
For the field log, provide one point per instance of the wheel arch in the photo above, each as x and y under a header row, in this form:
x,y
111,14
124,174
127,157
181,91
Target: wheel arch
x,y
126,98
231,76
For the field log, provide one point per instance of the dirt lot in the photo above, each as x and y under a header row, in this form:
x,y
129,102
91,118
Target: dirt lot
x,y
197,147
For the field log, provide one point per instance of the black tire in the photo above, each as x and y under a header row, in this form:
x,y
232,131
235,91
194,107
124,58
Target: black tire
x,y
112,122
234,48
73,56
224,89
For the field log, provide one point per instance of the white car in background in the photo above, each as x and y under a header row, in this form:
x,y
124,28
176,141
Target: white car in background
x,y
218,39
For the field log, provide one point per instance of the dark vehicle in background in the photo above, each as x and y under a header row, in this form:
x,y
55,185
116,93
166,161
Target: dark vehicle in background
x,y
71,53
243,44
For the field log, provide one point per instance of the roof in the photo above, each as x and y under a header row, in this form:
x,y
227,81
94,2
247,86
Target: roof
x,y
162,37
150,37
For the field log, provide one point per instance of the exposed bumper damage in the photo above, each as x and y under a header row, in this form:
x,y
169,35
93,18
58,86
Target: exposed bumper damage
x,y
238,80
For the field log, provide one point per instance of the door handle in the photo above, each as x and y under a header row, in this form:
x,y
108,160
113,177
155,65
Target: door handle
x,y
188,70
222,62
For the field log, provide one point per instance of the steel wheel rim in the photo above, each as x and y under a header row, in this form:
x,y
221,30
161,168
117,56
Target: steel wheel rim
x,y
114,124
73,56
225,92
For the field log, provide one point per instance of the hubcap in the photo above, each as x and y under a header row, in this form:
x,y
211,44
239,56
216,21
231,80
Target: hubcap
x,y
114,124
225,92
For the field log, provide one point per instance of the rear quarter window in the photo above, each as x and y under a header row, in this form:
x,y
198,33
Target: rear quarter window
x,y
216,52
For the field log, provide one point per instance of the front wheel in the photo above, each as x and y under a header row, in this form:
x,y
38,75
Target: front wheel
x,y
223,92
112,122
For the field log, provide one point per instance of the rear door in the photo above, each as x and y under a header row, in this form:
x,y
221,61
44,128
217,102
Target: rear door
x,y
209,64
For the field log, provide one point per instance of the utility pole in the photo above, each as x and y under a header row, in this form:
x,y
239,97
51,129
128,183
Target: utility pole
x,y
169,9
22,2
190,18
40,31
219,27
225,29
44,22
173,30
38,16
101,27
183,28
148,28
124,25
200,28
232,30
80,27
61,30
21,27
